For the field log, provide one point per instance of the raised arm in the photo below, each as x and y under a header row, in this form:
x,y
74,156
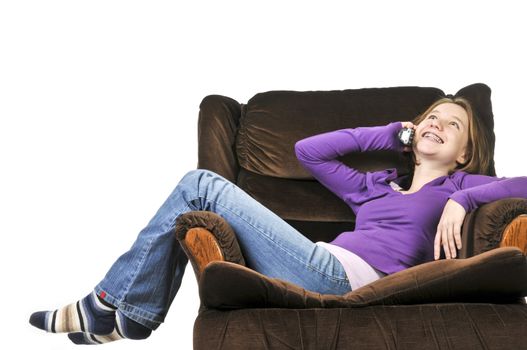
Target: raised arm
x,y
318,155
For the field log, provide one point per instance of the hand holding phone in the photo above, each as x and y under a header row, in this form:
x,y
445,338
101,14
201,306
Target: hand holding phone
x,y
406,135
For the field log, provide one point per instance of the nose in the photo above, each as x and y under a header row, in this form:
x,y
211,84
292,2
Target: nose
x,y
436,123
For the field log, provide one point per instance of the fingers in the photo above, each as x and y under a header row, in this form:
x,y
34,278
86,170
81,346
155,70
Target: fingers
x,y
441,240
437,245
457,235
449,237
451,242
444,240
408,125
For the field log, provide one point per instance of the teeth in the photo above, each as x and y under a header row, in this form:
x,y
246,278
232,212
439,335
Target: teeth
x,y
433,137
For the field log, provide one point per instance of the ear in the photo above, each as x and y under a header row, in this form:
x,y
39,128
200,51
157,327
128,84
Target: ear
x,y
461,159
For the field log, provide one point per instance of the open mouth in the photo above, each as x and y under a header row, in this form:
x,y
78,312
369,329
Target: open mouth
x,y
431,136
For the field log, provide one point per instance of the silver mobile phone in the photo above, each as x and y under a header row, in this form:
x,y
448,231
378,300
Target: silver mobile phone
x,y
406,135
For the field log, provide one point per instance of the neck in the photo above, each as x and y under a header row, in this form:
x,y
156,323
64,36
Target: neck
x,y
423,174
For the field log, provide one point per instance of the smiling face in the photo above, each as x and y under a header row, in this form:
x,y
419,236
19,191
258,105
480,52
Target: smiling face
x,y
443,135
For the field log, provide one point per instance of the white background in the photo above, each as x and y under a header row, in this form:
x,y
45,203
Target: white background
x,y
99,104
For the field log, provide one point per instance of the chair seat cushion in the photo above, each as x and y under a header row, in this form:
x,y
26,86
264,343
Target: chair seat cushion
x,y
494,276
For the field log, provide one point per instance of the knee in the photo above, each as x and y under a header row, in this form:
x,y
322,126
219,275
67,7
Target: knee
x,y
199,176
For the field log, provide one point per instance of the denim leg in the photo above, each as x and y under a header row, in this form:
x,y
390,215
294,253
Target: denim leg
x,y
143,282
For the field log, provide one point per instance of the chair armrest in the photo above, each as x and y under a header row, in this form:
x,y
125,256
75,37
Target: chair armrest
x,y
483,229
218,123
221,231
494,276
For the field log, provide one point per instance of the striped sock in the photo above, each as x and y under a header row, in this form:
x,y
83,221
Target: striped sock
x,y
126,328
93,339
91,315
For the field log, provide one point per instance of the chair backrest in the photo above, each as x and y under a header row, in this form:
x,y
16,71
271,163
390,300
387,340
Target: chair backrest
x,y
252,144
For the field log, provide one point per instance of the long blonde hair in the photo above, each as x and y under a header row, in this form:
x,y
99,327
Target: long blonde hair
x,y
478,152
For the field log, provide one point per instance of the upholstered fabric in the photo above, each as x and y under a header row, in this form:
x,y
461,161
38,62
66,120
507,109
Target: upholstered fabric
x,y
452,326
219,118
494,276
482,229
215,224
265,149
288,193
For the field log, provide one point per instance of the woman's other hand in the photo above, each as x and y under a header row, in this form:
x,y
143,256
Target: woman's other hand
x,y
409,125
448,232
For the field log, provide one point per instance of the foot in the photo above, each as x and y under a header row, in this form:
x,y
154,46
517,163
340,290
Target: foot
x,y
93,339
91,315
126,328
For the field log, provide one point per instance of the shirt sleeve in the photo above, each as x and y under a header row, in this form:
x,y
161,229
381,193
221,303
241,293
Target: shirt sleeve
x,y
477,190
318,154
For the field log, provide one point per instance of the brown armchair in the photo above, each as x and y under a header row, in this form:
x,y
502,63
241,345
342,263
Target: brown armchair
x,y
469,303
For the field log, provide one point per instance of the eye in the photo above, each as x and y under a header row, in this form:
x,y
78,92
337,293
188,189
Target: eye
x,y
432,116
455,124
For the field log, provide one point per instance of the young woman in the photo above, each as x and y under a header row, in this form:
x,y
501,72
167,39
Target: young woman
x,y
396,227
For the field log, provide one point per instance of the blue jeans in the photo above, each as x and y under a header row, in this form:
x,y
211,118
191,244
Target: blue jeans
x,y
143,281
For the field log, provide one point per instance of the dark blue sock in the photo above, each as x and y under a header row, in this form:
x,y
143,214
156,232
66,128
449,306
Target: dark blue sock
x,y
128,328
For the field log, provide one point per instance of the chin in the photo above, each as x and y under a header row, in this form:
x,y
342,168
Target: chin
x,y
425,149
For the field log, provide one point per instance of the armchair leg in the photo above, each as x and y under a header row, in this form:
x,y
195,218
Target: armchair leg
x,y
515,234
201,247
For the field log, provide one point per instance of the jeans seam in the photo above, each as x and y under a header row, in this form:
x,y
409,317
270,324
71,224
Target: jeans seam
x,y
147,248
119,302
342,281
133,276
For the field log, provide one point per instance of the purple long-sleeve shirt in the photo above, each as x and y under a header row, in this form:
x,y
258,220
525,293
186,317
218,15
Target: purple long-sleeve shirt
x,y
393,231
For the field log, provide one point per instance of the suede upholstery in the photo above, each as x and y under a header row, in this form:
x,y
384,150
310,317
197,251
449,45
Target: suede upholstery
x,y
483,228
219,228
493,276
452,326
473,303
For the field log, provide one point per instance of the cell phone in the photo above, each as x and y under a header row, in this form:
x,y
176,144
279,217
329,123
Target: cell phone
x,y
406,135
